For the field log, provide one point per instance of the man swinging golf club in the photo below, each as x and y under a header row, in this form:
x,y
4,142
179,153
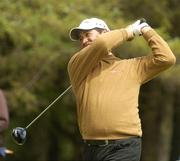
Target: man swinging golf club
x,y
107,87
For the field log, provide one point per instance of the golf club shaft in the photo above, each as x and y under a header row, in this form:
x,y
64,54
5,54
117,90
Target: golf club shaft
x,y
48,106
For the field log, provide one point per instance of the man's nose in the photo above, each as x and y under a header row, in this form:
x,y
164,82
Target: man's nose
x,y
84,40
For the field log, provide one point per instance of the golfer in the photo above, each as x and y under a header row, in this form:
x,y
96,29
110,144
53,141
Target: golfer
x,y
107,87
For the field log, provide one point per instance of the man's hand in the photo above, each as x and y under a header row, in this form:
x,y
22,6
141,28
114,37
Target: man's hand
x,y
4,151
135,29
138,26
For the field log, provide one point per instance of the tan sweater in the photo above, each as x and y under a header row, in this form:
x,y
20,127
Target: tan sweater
x,y
107,88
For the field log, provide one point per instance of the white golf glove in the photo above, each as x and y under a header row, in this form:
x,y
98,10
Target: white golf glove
x,y
136,28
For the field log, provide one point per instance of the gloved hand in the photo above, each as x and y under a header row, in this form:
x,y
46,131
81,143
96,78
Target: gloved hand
x,y
4,151
135,29
138,26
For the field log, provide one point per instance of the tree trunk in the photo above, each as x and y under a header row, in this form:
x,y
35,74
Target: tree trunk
x,y
165,129
157,121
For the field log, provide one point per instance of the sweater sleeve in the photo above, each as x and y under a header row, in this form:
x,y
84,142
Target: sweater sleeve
x,y
159,60
4,117
85,60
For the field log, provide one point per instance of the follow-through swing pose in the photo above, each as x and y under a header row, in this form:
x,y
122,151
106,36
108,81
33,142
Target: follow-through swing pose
x,y
107,87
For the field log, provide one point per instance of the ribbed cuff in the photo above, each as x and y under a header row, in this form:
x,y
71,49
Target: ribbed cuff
x,y
129,32
147,35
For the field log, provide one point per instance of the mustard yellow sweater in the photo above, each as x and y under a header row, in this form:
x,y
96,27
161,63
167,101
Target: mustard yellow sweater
x,y
107,88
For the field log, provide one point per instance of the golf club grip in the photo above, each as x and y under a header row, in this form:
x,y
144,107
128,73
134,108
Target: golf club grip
x,y
143,20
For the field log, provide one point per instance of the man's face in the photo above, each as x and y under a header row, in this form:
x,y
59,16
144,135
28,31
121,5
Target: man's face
x,y
87,37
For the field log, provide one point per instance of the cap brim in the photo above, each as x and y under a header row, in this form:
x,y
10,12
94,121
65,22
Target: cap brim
x,y
74,34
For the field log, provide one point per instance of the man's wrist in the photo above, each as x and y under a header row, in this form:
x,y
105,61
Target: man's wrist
x,y
145,29
130,34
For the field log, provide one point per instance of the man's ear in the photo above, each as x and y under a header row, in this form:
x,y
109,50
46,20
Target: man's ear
x,y
101,31
104,31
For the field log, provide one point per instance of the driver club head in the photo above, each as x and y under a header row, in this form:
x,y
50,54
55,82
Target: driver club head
x,y
19,135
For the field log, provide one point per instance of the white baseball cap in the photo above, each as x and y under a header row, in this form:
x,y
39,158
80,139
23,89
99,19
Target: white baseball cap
x,y
87,24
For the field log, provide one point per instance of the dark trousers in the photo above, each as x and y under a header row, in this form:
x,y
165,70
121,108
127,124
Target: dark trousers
x,y
120,150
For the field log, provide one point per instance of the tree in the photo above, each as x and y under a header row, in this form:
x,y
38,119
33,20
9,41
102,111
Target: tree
x,y
34,53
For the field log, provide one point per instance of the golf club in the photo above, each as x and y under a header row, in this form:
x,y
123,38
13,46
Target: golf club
x,y
19,133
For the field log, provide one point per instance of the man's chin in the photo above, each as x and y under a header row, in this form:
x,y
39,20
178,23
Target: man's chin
x,y
87,45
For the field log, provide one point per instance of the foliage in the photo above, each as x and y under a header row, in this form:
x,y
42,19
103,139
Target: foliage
x,y
34,53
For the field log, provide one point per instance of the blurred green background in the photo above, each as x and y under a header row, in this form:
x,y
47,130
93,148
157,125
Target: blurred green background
x,y
34,52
